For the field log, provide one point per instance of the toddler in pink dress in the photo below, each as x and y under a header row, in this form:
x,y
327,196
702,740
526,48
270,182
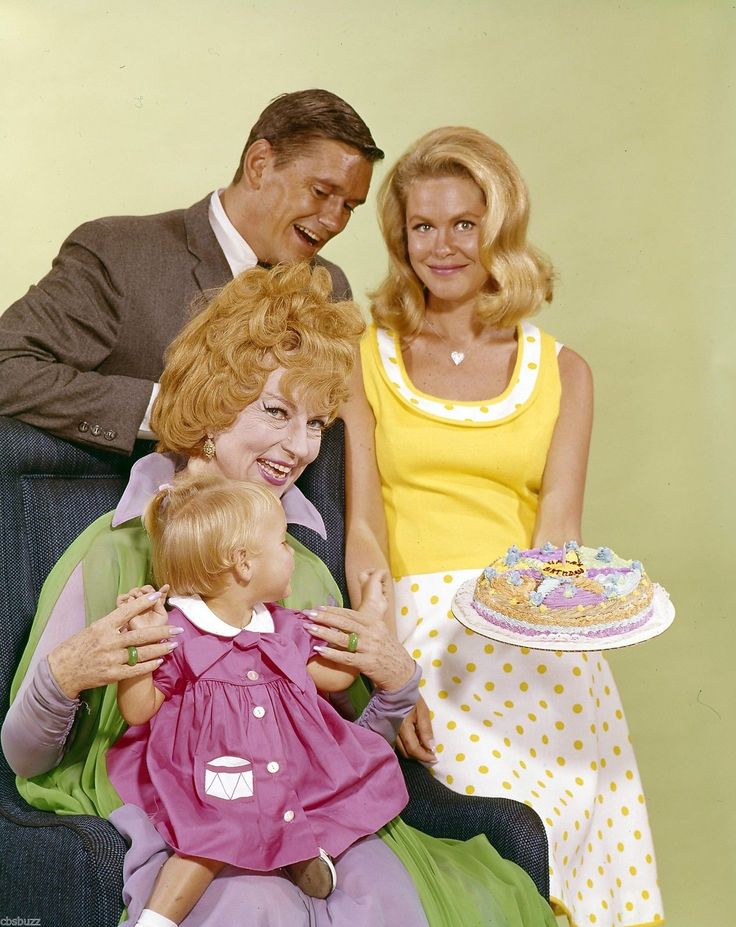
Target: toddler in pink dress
x,y
231,751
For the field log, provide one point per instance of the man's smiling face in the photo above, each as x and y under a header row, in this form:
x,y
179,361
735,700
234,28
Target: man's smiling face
x,y
309,200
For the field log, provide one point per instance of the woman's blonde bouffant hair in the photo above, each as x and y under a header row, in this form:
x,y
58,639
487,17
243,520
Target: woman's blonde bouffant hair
x,y
520,277
198,525
262,320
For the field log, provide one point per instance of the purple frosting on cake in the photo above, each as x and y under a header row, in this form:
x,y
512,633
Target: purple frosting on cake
x,y
558,599
507,624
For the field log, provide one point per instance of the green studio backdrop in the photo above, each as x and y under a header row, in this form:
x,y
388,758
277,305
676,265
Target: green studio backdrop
x,y
621,118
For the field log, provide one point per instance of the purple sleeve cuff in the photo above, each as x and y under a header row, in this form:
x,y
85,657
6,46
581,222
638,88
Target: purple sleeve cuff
x,y
37,725
386,710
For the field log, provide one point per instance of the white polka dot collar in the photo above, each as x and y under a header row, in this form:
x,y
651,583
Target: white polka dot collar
x,y
516,395
202,617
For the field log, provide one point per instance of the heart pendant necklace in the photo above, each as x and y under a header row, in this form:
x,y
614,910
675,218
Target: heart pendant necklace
x,y
457,357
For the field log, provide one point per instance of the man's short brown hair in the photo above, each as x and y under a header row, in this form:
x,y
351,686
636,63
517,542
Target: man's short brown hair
x,y
292,121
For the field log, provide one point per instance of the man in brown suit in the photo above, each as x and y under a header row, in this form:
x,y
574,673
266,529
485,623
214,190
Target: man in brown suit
x,y
82,351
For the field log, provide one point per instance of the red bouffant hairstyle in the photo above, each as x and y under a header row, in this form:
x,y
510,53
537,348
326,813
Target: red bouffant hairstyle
x,y
261,321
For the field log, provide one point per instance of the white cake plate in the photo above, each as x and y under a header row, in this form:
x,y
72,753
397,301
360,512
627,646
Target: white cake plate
x,y
662,618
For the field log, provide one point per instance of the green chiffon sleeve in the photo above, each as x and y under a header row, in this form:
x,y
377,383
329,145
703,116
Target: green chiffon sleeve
x,y
113,561
312,582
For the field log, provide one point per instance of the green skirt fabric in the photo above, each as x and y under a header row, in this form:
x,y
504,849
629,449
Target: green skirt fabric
x,y
466,882
459,883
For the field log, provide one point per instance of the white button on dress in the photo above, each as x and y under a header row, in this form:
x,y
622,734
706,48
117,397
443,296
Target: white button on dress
x,y
259,711
288,816
252,674
273,766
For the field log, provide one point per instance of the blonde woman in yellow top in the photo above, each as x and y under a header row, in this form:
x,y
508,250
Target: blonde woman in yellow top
x,y
480,425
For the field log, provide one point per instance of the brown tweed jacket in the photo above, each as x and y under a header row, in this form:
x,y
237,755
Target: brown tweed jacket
x,y
80,351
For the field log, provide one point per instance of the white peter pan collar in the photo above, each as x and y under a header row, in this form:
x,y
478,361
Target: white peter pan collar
x,y
202,617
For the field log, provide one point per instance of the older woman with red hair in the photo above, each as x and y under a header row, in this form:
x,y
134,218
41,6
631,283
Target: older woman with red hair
x,y
249,386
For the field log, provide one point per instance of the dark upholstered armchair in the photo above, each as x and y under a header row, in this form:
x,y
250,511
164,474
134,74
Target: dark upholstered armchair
x,y
67,870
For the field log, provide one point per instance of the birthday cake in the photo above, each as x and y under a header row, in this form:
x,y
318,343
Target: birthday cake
x,y
564,594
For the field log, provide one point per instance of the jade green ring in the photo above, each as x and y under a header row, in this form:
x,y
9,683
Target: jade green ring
x,y
352,642
132,656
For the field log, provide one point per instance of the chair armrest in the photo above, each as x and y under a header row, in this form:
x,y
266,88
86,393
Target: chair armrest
x,y
87,893
512,828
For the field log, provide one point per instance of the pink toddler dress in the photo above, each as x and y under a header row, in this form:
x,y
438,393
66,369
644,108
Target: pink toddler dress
x,y
245,762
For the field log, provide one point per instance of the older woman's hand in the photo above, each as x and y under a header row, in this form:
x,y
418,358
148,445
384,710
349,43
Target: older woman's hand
x,y
154,615
415,738
360,639
99,654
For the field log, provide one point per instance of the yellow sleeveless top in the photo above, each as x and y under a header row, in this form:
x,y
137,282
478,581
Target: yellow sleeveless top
x,y
460,480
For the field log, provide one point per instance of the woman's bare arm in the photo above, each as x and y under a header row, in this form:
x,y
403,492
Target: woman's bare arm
x,y
366,530
366,542
560,509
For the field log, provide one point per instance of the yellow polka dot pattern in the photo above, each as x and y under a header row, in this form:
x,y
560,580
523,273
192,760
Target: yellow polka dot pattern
x,y
546,729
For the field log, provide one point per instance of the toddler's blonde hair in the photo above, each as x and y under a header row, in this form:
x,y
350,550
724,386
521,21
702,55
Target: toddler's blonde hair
x,y
198,525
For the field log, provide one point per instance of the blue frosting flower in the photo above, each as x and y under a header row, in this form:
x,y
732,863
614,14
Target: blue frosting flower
x,y
536,598
549,548
489,573
610,587
572,545
513,556
604,554
637,565
514,577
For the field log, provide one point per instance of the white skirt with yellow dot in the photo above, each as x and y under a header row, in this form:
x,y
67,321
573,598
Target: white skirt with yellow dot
x,y
544,728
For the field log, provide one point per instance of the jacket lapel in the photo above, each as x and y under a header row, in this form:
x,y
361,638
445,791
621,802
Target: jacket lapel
x,y
211,270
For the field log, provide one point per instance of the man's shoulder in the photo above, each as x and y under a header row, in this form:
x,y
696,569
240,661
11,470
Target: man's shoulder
x,y
140,229
340,286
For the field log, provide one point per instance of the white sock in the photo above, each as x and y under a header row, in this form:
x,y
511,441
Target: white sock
x,y
150,918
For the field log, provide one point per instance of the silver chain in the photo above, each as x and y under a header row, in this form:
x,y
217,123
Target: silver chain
x,y
457,357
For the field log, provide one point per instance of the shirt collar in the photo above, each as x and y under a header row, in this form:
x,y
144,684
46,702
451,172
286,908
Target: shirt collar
x,y
238,253
153,470
202,617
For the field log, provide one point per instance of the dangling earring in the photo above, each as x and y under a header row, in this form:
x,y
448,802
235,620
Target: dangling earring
x,y
208,448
